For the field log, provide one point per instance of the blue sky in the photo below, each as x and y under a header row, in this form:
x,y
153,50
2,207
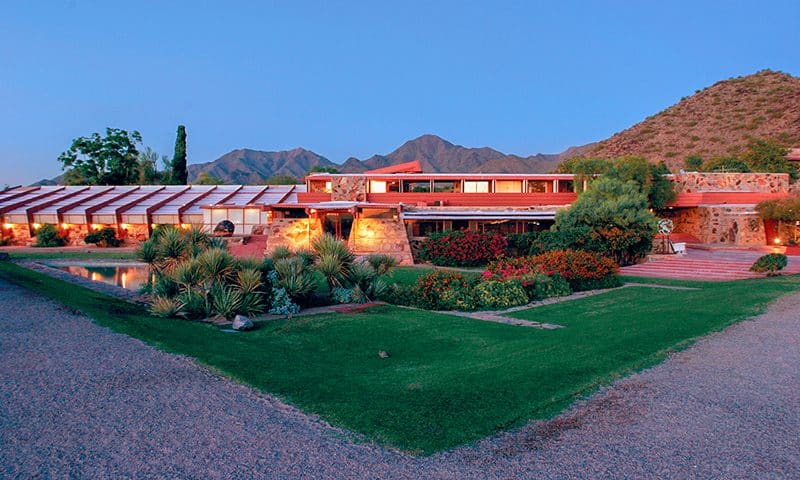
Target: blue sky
x,y
358,78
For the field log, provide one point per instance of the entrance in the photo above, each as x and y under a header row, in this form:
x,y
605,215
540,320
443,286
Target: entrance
x,y
338,224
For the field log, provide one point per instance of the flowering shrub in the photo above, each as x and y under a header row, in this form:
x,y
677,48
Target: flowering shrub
x,y
582,270
500,295
431,289
462,248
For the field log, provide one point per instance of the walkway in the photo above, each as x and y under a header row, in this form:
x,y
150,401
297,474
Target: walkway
x,y
79,401
711,265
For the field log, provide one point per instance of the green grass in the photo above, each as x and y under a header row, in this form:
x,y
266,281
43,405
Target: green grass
x,y
449,380
85,255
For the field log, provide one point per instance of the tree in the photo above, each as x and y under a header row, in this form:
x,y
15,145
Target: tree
x,y
206,179
584,169
109,160
726,164
610,218
321,169
769,156
148,167
180,175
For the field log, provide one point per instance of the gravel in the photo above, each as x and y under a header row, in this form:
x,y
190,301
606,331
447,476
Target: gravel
x,y
78,401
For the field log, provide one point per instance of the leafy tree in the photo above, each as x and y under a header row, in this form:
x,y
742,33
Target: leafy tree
x,y
321,169
769,156
109,160
726,164
584,169
282,180
206,179
693,163
611,218
179,172
148,167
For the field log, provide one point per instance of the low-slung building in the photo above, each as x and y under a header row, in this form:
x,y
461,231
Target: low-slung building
x,y
384,211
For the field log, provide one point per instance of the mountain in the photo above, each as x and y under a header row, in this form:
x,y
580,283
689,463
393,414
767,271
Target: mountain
x,y
245,166
434,153
718,120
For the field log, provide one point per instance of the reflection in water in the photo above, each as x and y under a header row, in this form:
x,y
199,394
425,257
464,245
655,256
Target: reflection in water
x,y
130,278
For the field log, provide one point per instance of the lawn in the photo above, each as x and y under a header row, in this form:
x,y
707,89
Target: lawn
x,y
449,380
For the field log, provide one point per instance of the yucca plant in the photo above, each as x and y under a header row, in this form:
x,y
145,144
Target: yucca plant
x,y
366,282
188,274
382,263
217,264
294,277
218,243
197,238
194,304
164,307
249,280
164,286
280,253
172,248
245,263
333,269
252,304
226,300
328,245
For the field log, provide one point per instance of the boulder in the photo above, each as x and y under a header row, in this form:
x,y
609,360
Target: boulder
x,y
240,322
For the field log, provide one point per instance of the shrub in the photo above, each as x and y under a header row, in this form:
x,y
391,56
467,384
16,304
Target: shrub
x,y
216,264
294,278
382,263
106,237
539,286
581,269
463,299
430,288
401,295
194,304
282,304
226,301
500,295
367,284
48,236
462,248
164,307
770,264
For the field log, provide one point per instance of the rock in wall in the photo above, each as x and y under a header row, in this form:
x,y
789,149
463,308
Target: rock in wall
x,y
381,235
293,233
695,182
733,225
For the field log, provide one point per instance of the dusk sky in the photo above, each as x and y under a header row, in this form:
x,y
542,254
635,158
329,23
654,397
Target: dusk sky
x,y
359,78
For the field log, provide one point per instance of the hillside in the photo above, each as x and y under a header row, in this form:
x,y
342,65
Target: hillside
x,y
716,121
245,166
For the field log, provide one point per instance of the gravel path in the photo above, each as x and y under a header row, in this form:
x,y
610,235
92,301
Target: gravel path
x,y
78,401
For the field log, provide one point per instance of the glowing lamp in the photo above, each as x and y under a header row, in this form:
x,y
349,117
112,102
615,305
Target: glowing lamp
x,y
94,226
124,226
65,226
153,225
777,241
8,226
36,226
185,225
313,211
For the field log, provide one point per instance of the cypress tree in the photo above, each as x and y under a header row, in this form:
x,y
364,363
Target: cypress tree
x,y
179,173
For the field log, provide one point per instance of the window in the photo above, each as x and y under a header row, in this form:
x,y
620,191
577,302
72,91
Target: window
x,y
479,186
537,186
320,186
377,186
446,186
508,186
416,186
565,186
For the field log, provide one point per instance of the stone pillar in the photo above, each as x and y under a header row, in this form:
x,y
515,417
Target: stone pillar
x,y
293,233
381,235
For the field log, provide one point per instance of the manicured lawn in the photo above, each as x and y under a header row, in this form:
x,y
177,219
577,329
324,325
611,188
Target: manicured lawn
x,y
449,380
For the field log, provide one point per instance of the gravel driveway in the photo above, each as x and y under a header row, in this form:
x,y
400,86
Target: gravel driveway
x,y
78,401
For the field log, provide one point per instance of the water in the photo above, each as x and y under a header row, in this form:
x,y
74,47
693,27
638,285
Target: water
x,y
128,277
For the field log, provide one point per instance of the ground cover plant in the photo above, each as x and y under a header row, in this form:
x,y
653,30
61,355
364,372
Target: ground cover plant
x,y
449,380
771,264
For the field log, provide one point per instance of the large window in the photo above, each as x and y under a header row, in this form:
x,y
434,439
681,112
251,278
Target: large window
x,y
320,186
447,186
537,186
476,186
565,186
508,186
416,186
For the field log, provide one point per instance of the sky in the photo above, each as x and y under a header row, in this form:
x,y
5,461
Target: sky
x,y
359,78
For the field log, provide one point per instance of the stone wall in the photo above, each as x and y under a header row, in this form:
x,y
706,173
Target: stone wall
x,y
18,234
694,182
351,189
733,225
293,233
381,235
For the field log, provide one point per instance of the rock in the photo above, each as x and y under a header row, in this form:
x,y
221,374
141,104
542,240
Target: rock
x,y
384,354
240,322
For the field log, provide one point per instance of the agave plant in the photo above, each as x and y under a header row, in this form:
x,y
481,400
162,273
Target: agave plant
x,y
252,304
197,238
218,243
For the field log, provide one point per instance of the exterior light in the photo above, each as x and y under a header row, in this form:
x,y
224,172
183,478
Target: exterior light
x,y
777,241
65,226
124,226
185,226
36,226
94,226
153,225
313,211
8,226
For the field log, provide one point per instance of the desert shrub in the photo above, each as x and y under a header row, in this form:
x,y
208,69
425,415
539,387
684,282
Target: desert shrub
x,y
226,300
48,236
400,295
500,295
366,282
725,164
539,286
430,287
462,248
382,263
295,278
105,237
216,264
194,304
280,253
770,264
